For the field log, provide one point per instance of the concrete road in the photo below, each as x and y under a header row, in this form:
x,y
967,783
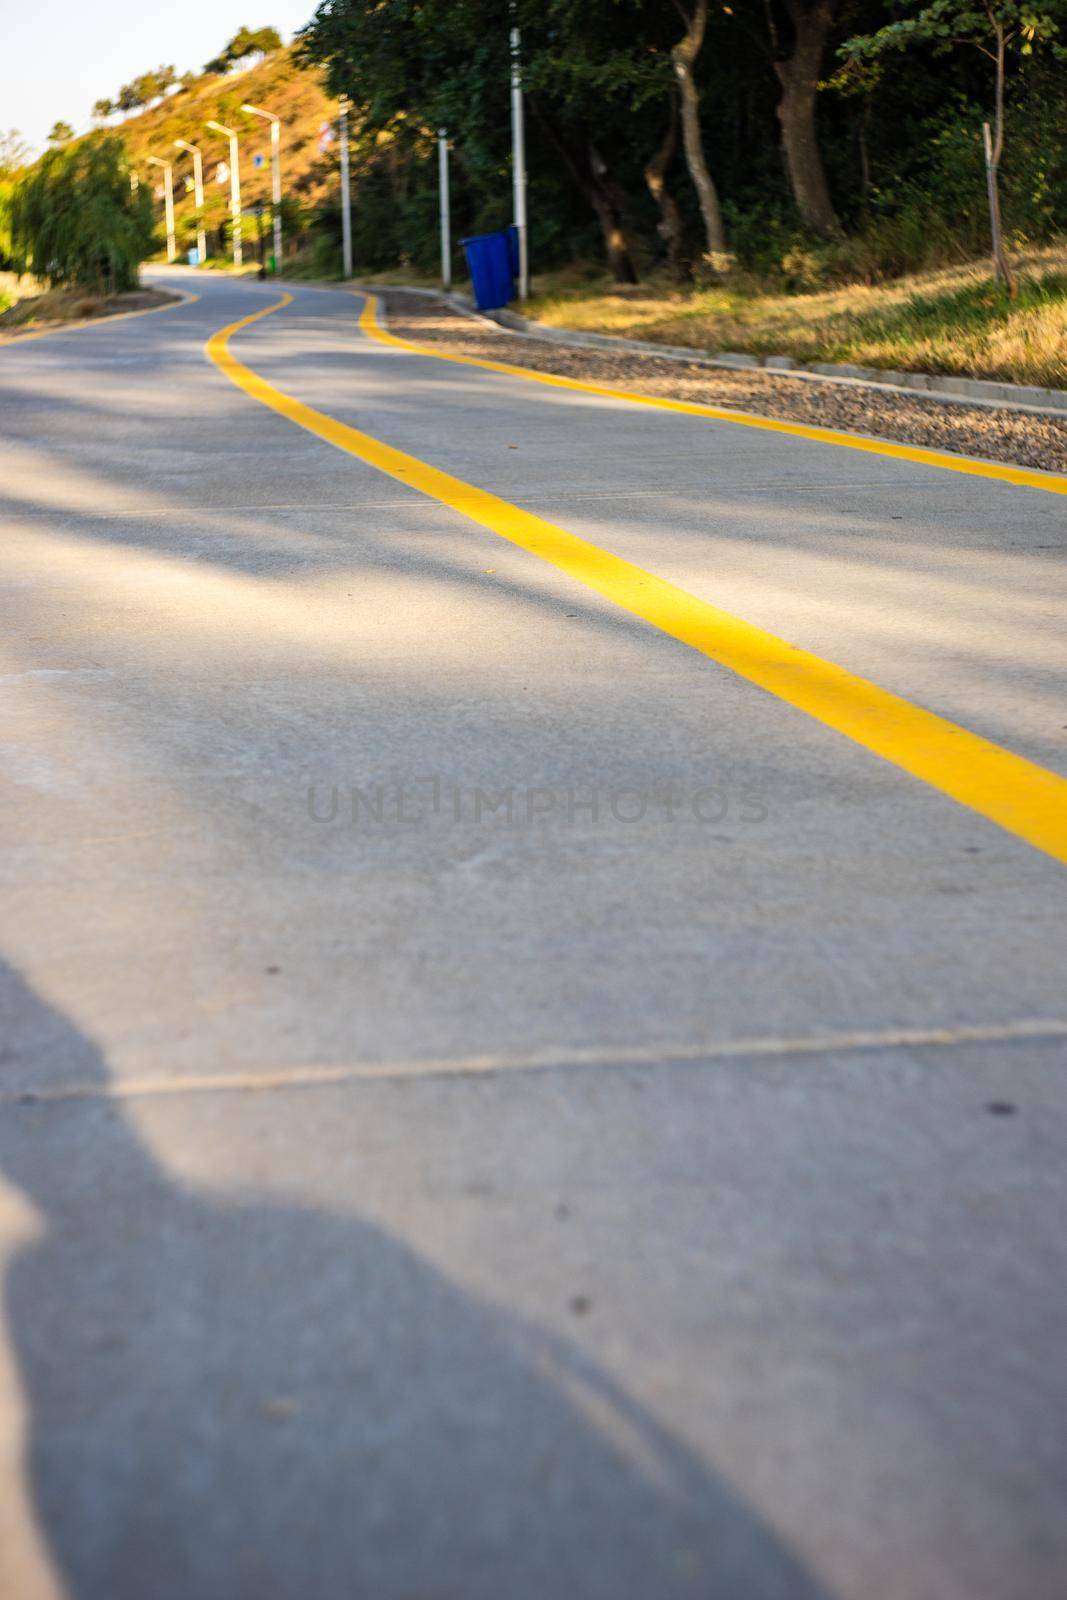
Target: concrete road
x,y
657,1192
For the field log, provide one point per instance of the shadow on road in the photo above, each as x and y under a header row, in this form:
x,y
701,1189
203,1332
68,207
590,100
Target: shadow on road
x,y
244,1398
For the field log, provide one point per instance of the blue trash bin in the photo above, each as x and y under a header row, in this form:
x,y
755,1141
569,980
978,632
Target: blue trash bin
x,y
489,261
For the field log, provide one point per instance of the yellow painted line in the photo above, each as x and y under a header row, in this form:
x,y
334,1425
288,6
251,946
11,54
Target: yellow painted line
x,y
1025,799
99,322
1051,482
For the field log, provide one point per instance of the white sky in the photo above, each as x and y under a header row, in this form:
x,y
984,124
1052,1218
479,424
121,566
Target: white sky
x,y
59,56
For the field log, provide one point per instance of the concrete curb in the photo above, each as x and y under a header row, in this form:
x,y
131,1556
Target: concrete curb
x,y
920,385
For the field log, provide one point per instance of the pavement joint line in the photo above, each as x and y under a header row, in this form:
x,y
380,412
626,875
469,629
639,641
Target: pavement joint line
x,y
944,460
1018,795
327,1075
185,299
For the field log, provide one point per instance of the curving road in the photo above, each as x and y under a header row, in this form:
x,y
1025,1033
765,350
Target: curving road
x,y
534,1013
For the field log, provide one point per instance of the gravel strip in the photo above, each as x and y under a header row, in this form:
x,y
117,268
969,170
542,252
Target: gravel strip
x,y
1020,438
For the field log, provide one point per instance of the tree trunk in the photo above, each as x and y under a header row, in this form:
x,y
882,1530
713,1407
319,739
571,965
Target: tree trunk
x,y
798,75
865,154
609,203
994,151
590,173
683,56
670,228
620,262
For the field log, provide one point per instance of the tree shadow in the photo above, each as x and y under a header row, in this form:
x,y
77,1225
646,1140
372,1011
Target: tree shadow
x,y
239,1397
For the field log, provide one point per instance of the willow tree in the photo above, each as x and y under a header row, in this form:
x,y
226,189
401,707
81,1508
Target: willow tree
x,y
74,218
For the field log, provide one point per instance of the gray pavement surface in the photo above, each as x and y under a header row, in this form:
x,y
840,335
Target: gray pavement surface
x,y
382,1211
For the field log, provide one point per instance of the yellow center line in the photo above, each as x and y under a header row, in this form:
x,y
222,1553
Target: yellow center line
x,y
186,299
1023,798
1051,482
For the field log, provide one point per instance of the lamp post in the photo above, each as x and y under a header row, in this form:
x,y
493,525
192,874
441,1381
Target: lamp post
x,y
518,163
198,196
276,176
168,199
235,188
346,196
446,210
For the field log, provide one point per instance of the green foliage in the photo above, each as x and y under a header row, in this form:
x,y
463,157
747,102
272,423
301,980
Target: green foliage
x,y
901,137
596,74
74,219
945,23
7,250
900,131
142,91
14,154
245,42
62,133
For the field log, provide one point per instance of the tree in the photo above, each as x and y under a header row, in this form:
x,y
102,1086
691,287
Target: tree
x,y
75,220
245,42
152,85
590,68
62,133
994,27
671,227
412,65
250,42
102,109
797,62
14,156
684,57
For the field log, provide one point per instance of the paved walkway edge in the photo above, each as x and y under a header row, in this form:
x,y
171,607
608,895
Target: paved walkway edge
x,y
925,385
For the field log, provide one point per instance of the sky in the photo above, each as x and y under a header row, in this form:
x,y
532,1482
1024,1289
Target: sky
x,y
59,56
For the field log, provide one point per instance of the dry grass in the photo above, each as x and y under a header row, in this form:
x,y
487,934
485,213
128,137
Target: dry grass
x,y
43,308
16,286
52,305
954,320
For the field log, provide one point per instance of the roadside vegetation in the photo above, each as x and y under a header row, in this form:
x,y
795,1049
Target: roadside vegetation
x,y
37,307
795,176
956,320
75,219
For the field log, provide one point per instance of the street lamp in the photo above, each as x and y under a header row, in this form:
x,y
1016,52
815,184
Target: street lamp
x,y
518,161
168,194
276,176
445,208
346,193
198,196
235,188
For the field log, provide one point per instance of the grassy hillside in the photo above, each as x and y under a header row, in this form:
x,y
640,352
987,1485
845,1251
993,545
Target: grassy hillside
x,y
278,84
